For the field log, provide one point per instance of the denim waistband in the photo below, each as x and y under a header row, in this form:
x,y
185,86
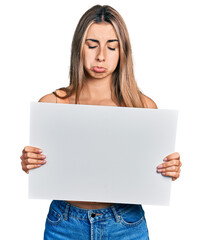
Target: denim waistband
x,y
113,210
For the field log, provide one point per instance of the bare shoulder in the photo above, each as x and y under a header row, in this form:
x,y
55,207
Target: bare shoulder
x,y
60,92
149,103
49,98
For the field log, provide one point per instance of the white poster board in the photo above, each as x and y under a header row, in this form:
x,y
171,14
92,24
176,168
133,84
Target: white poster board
x,y
101,153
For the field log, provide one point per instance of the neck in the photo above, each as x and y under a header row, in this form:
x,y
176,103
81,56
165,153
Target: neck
x,y
97,89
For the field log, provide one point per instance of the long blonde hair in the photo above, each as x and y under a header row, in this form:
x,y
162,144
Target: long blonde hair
x,y
125,91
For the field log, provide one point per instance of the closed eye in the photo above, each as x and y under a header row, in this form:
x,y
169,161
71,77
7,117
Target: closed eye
x,y
92,47
113,49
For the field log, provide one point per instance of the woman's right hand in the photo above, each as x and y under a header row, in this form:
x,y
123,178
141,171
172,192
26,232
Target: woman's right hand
x,y
32,157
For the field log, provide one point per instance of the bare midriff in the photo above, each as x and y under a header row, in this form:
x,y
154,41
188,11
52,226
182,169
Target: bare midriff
x,y
90,205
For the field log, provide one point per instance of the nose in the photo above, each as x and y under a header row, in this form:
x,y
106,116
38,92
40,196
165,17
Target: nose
x,y
101,55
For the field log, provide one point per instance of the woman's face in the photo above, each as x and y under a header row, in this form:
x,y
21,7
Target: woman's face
x,y
101,50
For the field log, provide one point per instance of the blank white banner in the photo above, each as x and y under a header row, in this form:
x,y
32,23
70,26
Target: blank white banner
x,y
101,153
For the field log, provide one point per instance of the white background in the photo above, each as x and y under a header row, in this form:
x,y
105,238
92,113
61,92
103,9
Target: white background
x,y
35,47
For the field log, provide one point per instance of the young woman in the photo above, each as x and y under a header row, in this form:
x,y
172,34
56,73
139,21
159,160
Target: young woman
x,y
101,73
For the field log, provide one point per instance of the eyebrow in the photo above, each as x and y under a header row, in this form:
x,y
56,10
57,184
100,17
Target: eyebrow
x,y
94,40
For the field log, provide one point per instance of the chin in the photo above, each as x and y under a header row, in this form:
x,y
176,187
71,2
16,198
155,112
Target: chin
x,y
92,74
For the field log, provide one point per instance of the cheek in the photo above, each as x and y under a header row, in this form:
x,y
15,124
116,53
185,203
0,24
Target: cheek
x,y
114,59
88,57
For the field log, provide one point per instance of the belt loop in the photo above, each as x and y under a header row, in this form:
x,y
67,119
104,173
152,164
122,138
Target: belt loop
x,y
65,214
117,217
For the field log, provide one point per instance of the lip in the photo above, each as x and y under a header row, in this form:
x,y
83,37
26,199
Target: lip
x,y
98,69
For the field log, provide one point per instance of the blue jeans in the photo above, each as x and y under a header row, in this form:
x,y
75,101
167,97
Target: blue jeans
x,y
116,222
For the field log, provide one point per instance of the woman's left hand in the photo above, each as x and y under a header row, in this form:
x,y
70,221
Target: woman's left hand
x,y
171,166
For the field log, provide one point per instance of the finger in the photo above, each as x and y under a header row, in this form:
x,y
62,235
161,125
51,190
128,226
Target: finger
x,y
29,167
30,161
31,149
169,169
171,174
172,156
24,168
169,164
33,155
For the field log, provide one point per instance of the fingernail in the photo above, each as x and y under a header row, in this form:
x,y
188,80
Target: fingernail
x,y
160,166
160,170
40,151
44,161
43,156
164,173
165,159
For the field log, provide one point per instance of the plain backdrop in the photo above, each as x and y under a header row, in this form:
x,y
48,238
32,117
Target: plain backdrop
x,y
35,43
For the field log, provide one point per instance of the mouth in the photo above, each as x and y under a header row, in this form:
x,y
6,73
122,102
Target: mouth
x,y
98,69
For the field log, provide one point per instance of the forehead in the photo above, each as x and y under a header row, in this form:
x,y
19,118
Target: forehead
x,y
101,31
